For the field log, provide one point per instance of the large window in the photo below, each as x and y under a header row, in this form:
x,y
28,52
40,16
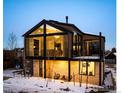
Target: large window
x,y
91,47
94,48
77,45
51,30
86,68
57,44
54,46
34,46
38,31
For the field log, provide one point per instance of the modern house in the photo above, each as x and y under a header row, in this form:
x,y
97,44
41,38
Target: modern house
x,y
61,50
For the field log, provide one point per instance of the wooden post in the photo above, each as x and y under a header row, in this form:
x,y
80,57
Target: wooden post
x,y
74,78
81,79
100,54
24,57
69,78
72,45
69,55
44,50
87,74
81,44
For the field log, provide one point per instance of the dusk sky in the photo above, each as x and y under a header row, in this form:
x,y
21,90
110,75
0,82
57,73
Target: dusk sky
x,y
91,16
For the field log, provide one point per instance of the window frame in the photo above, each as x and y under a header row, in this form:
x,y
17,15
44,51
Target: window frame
x,y
86,68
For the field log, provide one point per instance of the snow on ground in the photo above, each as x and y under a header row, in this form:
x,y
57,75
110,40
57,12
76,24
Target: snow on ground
x,y
108,80
21,84
39,85
112,70
9,72
35,84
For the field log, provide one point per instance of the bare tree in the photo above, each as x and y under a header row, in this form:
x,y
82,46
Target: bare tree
x,y
12,41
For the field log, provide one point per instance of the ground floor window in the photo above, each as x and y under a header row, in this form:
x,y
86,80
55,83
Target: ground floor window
x,y
86,68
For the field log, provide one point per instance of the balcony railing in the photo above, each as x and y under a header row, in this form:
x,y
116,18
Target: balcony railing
x,y
54,53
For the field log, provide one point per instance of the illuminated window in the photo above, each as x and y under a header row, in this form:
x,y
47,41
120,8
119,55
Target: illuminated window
x,y
54,46
36,47
50,29
38,31
84,69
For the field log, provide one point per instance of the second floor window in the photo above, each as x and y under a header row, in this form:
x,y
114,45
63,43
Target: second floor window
x,y
94,48
91,48
36,47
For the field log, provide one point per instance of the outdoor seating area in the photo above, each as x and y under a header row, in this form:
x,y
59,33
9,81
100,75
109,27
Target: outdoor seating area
x,y
22,73
19,72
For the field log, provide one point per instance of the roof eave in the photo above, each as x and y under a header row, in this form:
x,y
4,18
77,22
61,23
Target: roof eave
x,y
34,28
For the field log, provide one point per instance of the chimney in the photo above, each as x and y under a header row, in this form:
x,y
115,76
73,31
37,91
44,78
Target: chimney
x,y
66,19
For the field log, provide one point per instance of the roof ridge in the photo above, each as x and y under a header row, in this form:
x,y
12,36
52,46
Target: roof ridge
x,y
60,22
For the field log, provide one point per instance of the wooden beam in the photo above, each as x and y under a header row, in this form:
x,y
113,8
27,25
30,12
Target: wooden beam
x,y
41,35
25,47
44,50
59,58
72,45
100,35
69,71
81,45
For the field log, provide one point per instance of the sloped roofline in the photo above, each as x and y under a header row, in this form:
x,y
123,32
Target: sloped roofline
x,y
68,24
58,27
47,22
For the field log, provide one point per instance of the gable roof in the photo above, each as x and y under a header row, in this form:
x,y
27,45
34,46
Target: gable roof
x,y
65,27
71,28
110,55
68,26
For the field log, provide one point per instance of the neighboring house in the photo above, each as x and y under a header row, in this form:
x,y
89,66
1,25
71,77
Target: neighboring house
x,y
61,50
19,56
19,52
8,59
110,58
13,57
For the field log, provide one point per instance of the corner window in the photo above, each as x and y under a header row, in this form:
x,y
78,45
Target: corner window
x,y
94,48
91,47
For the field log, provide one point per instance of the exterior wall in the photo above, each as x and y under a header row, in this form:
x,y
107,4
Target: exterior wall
x,y
56,66
67,45
91,79
102,72
36,68
61,67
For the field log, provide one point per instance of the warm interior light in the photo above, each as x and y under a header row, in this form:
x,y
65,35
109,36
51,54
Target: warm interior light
x,y
73,47
90,68
39,30
56,48
56,37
